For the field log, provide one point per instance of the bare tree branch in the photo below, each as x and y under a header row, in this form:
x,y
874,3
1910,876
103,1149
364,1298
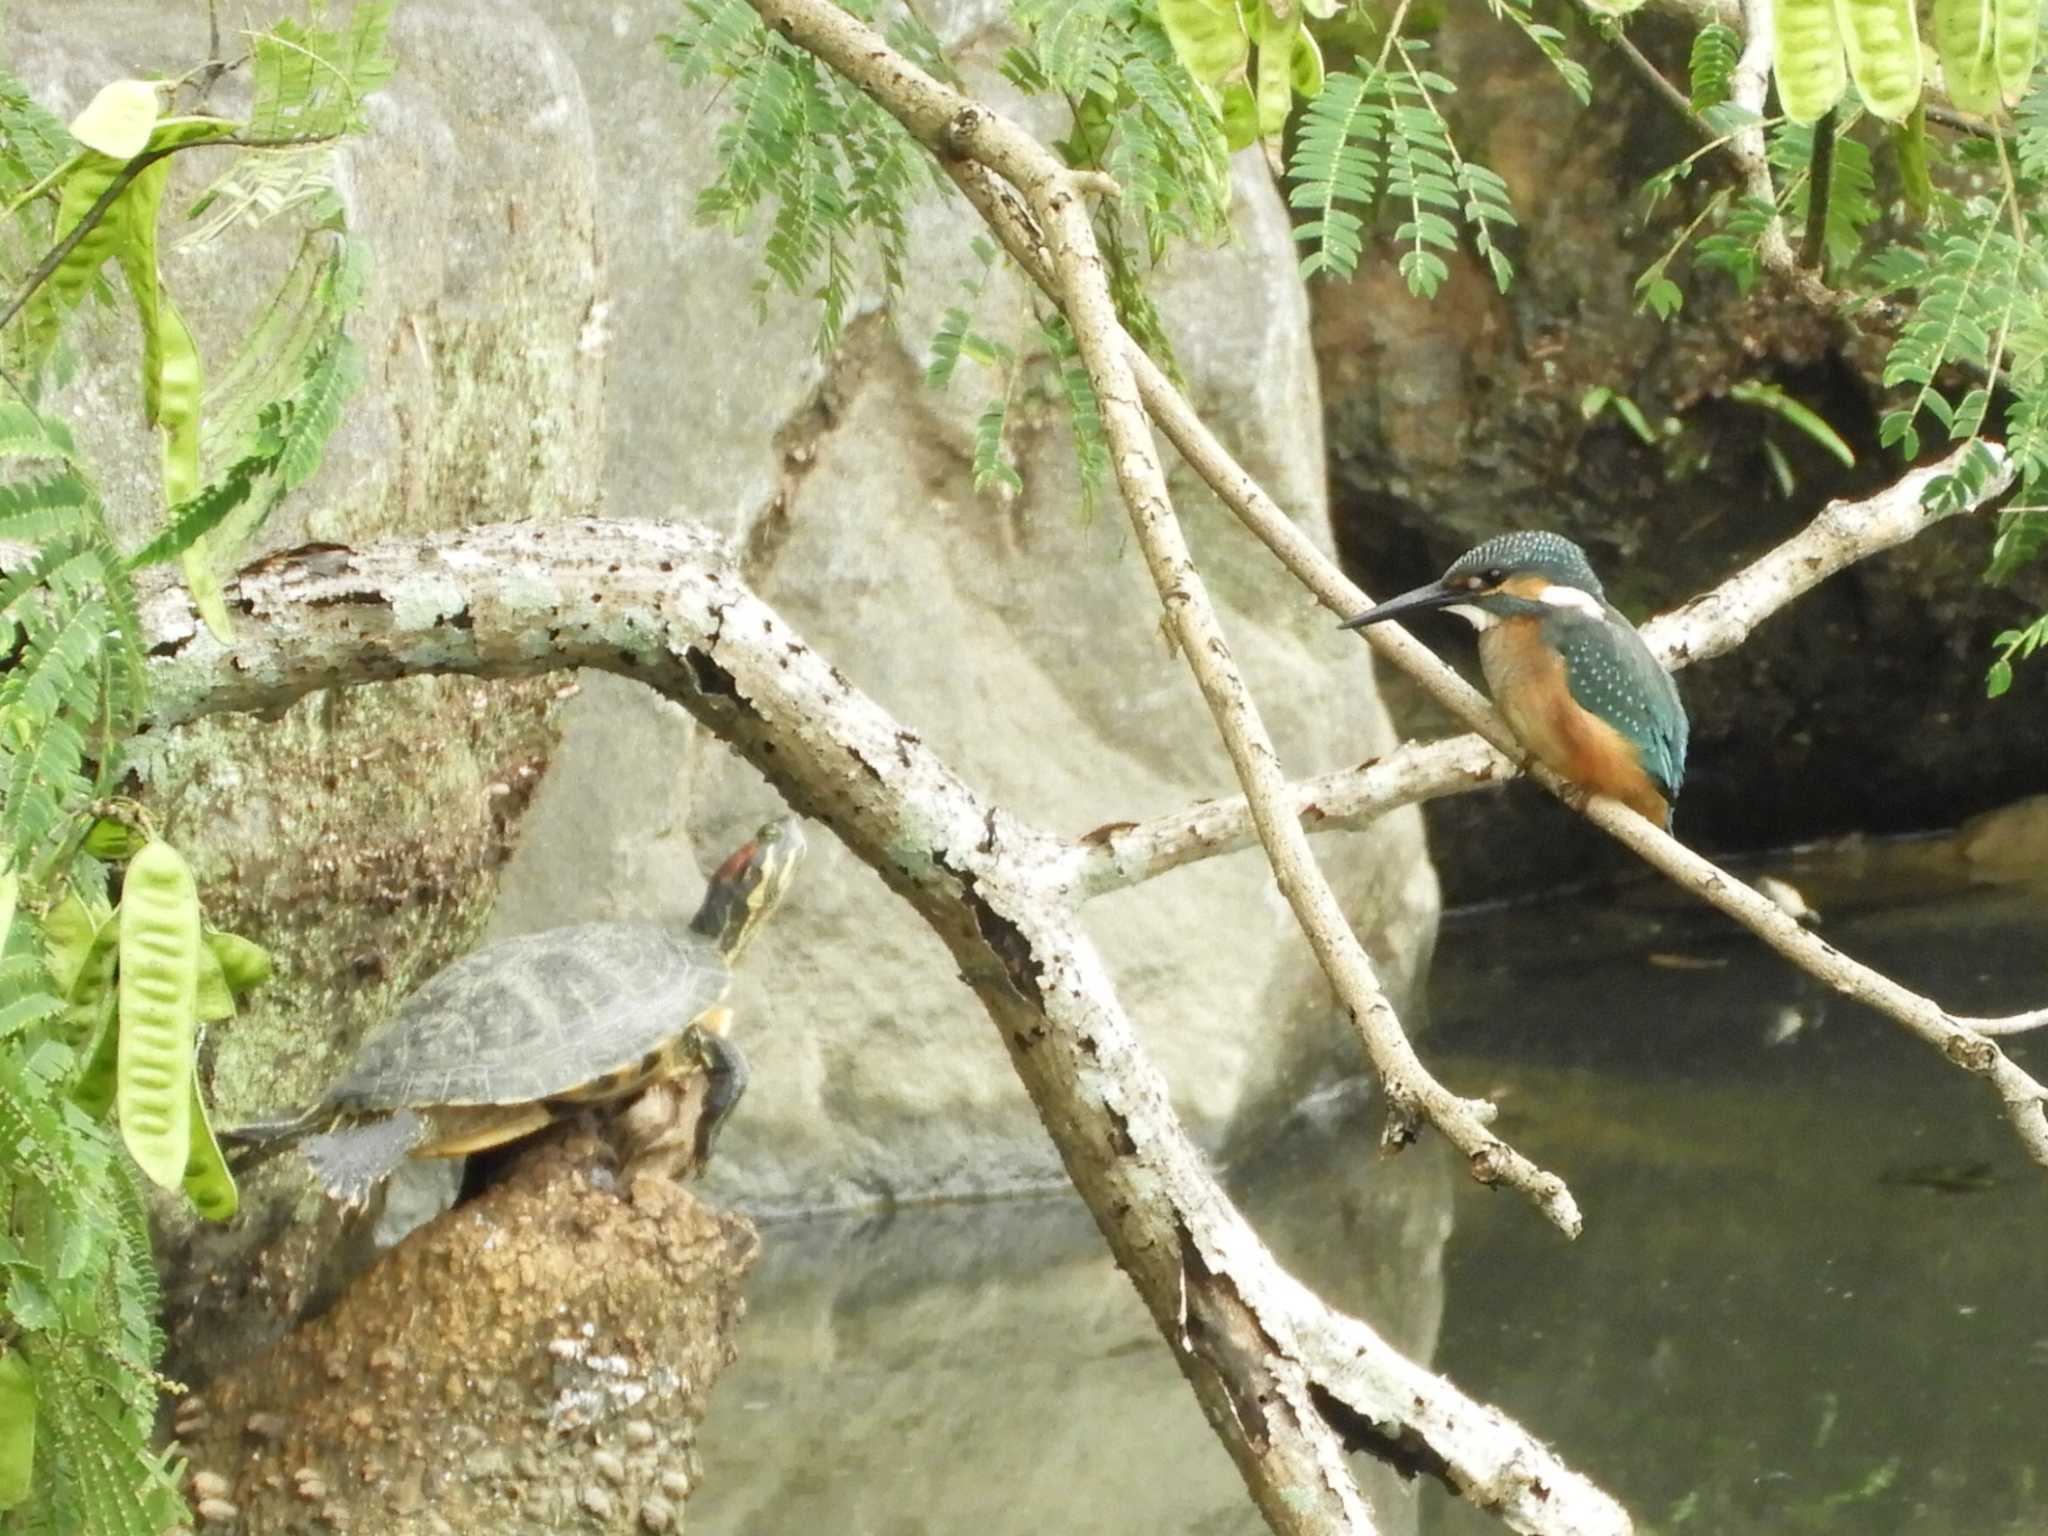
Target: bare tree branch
x,y
956,127
1709,625
2011,1024
1131,852
1750,88
1843,533
660,603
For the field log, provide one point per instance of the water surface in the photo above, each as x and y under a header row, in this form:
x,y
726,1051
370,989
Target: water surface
x,y
1812,1295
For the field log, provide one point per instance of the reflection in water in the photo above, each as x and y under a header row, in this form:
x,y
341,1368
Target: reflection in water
x,y
1812,1295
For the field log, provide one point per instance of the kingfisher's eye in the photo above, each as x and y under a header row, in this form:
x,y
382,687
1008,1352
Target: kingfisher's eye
x,y
1495,577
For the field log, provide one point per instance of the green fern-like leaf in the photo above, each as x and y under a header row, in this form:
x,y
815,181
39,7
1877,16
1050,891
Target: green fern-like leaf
x,y
1336,171
715,39
308,91
1715,50
1074,44
1363,128
311,82
1963,295
1852,189
1084,412
2030,121
833,169
96,1451
1734,249
1550,43
1136,113
33,146
334,374
993,470
38,508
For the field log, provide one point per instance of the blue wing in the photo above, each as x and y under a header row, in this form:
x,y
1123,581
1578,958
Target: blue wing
x,y
1612,674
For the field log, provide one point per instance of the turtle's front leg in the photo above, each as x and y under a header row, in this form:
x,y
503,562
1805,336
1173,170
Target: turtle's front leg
x,y
725,1079
708,1075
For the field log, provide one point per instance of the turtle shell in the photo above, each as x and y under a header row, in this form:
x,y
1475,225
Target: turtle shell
x,y
537,1017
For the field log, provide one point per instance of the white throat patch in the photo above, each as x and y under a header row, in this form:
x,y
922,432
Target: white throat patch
x,y
1478,618
1575,600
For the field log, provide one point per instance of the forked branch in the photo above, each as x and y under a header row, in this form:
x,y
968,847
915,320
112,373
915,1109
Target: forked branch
x,y
660,603
962,131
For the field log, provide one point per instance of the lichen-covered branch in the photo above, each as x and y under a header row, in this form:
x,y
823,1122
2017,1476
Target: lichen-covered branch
x,y
661,603
959,129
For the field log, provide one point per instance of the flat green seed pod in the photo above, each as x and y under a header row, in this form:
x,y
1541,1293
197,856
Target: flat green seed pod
x,y
208,1184
1812,73
1882,40
158,986
17,1429
1966,38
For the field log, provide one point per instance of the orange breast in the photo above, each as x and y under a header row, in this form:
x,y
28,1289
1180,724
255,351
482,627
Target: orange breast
x,y
1527,680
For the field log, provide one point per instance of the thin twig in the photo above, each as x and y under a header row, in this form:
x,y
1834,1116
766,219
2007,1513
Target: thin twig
x,y
961,130
1124,854
1654,78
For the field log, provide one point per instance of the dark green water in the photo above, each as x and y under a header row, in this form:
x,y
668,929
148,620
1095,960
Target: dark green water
x,y
1812,1295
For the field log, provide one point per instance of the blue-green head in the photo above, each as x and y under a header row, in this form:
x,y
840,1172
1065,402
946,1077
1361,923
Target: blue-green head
x,y
1510,575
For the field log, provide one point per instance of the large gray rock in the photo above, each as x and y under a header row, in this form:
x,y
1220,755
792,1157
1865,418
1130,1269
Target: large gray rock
x,y
1021,640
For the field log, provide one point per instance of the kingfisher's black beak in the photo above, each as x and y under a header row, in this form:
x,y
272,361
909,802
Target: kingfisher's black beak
x,y
1435,595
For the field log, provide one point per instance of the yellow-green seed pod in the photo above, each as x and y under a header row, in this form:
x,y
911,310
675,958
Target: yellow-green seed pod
x,y
245,963
208,1184
1811,71
1208,36
1308,66
112,840
93,1090
1915,180
2017,25
1882,39
17,1429
68,930
159,1016
1240,114
1276,70
213,1001
1966,37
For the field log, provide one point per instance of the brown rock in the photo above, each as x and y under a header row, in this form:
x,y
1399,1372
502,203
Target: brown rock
x,y
580,1327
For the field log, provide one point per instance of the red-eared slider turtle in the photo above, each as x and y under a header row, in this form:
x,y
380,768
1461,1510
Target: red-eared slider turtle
x,y
512,1037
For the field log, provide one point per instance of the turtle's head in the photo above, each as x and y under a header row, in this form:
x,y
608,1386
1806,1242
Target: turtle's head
x,y
749,885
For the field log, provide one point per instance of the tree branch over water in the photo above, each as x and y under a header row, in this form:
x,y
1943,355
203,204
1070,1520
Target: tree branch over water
x,y
1041,219
661,603
1290,1385
962,131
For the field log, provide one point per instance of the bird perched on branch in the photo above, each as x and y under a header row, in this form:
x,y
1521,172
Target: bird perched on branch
x,y
1571,676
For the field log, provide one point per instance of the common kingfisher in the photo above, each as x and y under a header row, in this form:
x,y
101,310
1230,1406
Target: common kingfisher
x,y
1571,676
